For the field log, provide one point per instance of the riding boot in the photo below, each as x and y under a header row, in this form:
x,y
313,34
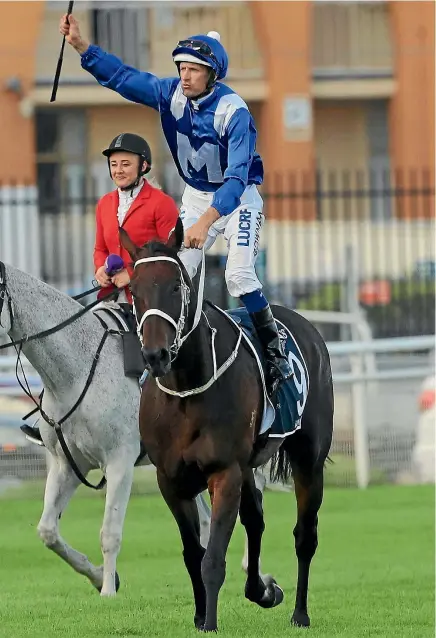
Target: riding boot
x,y
277,365
32,433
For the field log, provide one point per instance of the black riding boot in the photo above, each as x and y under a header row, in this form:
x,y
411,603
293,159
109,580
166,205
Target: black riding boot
x,y
277,365
32,433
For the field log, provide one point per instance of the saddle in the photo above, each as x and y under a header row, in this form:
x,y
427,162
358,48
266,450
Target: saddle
x,y
123,316
290,398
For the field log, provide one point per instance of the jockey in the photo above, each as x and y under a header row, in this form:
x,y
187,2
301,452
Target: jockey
x,y
212,138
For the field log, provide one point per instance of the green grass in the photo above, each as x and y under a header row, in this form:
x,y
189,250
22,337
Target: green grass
x,y
372,574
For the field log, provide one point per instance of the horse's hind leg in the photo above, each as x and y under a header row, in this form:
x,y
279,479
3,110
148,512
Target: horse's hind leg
x,y
260,481
309,492
261,590
60,486
119,474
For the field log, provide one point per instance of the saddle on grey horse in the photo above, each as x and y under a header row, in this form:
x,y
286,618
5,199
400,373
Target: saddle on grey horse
x,y
122,314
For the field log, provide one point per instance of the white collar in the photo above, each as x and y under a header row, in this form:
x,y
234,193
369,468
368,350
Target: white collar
x,y
197,103
126,195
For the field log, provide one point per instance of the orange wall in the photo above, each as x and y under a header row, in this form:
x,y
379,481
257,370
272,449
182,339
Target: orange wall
x,y
283,30
19,28
412,127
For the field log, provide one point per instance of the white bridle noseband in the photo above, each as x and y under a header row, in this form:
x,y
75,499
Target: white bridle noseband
x,y
185,293
179,338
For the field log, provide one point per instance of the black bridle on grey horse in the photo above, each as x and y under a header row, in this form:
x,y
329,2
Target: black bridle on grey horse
x,y
18,346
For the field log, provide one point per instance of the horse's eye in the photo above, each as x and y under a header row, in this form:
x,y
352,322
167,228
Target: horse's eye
x,y
177,287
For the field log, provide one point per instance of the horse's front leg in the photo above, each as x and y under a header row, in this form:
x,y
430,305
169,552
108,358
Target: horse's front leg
x,y
225,491
60,486
262,590
186,514
119,474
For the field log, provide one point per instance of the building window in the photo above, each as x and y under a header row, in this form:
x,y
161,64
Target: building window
x,y
61,158
122,32
377,131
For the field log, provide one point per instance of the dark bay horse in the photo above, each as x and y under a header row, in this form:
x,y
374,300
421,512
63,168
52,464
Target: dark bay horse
x,y
200,414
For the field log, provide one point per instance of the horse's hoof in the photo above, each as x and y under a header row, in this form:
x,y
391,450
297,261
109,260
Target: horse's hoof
x,y
199,622
117,584
272,596
300,619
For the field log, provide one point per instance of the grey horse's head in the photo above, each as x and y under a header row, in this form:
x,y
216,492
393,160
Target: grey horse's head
x,y
5,305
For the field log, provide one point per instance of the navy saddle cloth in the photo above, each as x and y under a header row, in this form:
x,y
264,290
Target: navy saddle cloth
x,y
292,395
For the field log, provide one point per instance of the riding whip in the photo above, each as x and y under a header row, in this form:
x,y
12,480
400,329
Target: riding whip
x,y
61,58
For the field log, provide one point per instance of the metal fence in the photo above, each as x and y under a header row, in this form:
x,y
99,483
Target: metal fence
x,y
380,434
332,240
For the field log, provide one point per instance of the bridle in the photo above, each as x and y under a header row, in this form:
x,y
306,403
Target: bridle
x,y
185,291
180,325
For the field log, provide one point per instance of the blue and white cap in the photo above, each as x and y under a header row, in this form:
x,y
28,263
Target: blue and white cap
x,y
203,49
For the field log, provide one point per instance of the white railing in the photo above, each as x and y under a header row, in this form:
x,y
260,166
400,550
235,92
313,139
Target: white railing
x,y
359,378
19,228
363,371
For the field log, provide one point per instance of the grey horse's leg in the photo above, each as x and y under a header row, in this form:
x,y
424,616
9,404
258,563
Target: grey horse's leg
x,y
119,474
60,486
204,514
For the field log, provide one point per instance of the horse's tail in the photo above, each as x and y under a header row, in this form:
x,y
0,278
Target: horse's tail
x,y
280,468
281,464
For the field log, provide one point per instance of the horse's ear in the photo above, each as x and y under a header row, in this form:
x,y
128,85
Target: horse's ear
x,y
175,238
128,244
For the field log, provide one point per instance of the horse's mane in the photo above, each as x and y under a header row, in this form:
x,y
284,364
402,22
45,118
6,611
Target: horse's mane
x,y
157,248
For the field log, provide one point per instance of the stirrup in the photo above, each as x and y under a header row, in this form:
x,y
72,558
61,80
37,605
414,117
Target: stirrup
x,y
35,441
274,378
28,433
280,375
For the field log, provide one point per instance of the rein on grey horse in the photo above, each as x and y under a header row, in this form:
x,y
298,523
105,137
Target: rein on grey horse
x,y
18,346
46,333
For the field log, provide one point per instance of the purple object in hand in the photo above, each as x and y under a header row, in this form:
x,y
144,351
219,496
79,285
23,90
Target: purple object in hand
x,y
113,264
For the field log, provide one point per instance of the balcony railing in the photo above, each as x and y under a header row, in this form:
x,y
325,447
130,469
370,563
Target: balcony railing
x,y
143,35
170,23
351,40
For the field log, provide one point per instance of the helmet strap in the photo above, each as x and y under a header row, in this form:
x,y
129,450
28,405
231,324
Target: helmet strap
x,y
212,79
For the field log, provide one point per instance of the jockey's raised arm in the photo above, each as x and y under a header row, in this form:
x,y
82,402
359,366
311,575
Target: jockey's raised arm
x,y
212,137
110,71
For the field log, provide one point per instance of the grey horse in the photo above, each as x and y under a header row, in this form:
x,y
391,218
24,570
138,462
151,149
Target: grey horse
x,y
101,433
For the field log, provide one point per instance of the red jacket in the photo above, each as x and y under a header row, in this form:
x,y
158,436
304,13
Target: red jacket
x,y
152,215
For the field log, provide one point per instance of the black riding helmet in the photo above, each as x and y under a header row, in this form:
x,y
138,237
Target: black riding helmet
x,y
131,143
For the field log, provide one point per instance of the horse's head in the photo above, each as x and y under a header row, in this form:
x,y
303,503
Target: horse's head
x,y
161,292
5,304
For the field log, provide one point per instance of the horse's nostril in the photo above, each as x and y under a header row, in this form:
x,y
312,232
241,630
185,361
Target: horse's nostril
x,y
157,356
164,356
